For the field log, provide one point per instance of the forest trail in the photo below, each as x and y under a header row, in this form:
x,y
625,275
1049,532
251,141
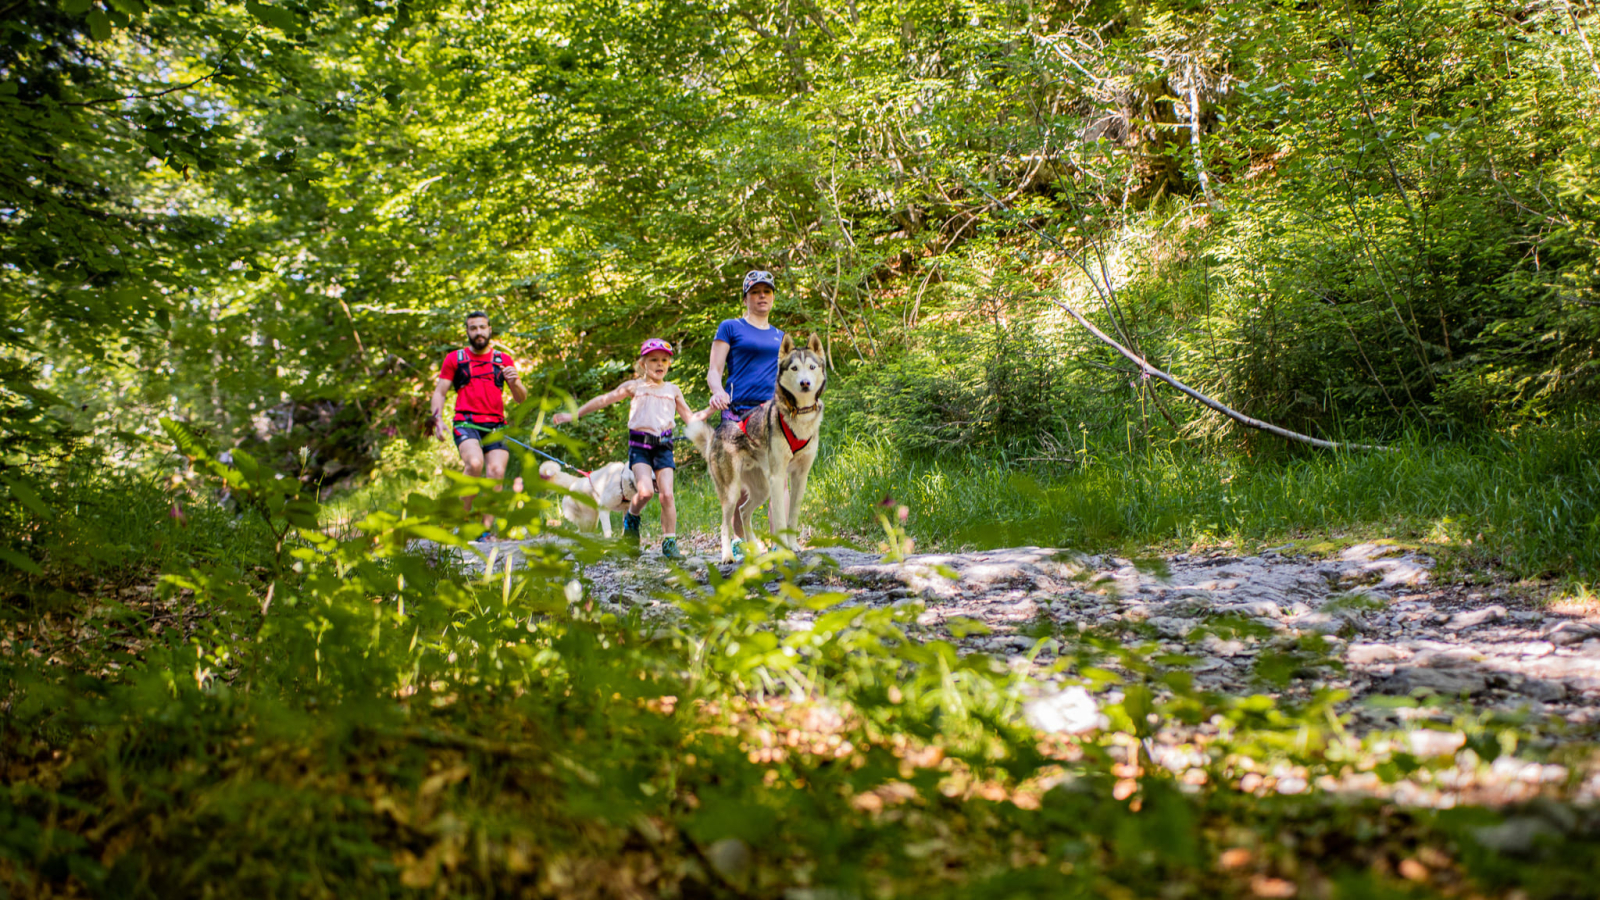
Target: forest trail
x,y
1371,619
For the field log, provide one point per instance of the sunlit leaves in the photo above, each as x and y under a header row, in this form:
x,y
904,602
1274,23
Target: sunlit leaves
x,y
99,24
276,16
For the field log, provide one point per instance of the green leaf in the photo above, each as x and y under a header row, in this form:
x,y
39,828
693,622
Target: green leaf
x,y
130,7
19,561
188,444
301,513
99,25
964,627
437,534
77,7
25,495
246,464
277,17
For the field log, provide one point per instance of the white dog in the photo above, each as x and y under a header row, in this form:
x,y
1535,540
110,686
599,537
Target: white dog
x,y
612,486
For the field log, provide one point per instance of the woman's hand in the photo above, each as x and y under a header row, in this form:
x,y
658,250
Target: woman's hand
x,y
561,418
720,399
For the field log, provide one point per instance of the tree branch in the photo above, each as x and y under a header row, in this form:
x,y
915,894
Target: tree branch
x,y
1234,414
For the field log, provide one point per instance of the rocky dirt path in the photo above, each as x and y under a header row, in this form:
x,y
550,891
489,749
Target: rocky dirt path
x,y
1421,659
1370,619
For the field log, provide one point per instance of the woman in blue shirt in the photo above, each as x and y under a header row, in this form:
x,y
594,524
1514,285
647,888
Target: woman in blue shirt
x,y
748,348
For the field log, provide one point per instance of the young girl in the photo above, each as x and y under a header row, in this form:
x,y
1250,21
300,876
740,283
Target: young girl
x,y
655,400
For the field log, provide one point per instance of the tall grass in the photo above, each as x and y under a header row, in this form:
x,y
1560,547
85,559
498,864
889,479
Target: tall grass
x,y
113,527
1530,504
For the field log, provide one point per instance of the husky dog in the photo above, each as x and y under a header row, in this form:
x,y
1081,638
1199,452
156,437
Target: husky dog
x,y
612,486
768,454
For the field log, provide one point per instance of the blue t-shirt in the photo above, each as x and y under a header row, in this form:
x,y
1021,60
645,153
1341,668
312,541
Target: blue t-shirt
x,y
752,361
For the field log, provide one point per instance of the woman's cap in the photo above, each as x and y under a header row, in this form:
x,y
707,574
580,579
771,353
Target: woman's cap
x,y
757,276
654,344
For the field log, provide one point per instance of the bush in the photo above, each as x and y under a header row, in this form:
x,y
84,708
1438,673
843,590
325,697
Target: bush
x,y
955,392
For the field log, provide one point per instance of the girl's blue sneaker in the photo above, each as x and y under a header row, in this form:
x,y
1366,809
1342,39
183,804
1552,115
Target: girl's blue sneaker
x,y
738,550
669,548
630,528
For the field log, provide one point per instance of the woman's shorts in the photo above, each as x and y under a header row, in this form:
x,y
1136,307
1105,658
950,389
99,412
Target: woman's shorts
x,y
653,451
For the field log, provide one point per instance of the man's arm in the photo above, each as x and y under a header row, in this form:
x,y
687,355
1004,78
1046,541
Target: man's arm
x,y
719,358
519,391
441,392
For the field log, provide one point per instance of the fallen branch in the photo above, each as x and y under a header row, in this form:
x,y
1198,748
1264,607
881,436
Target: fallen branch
x,y
1107,293
1234,414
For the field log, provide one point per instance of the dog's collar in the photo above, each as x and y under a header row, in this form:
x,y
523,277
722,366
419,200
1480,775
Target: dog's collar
x,y
812,408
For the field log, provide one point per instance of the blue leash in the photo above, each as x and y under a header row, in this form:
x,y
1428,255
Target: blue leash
x,y
547,456
513,440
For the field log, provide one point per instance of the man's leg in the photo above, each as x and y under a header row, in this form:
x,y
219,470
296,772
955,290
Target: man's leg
x,y
495,467
471,464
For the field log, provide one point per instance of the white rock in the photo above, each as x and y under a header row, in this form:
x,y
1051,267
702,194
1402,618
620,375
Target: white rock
x,y
1366,654
1425,743
1072,711
1464,620
1569,632
731,858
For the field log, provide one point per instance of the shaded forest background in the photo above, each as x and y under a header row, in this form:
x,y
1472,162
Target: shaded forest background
x,y
1352,219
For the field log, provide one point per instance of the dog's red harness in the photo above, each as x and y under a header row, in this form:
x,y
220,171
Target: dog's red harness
x,y
795,444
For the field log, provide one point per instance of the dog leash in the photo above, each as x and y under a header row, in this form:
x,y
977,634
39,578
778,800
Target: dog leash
x,y
549,457
507,437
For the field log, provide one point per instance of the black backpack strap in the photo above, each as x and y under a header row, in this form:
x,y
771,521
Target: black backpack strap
x,y
463,373
499,376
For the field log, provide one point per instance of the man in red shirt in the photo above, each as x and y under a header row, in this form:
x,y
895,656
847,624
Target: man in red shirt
x,y
477,373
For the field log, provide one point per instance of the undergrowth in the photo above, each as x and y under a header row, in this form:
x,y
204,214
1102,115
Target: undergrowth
x,y
370,716
1529,504
1526,505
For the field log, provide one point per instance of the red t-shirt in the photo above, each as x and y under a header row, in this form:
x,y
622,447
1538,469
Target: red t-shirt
x,y
480,397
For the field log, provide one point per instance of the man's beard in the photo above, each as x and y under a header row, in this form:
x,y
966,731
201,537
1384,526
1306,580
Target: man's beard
x,y
479,343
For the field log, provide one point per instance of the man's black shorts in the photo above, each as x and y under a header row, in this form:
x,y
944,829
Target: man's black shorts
x,y
470,430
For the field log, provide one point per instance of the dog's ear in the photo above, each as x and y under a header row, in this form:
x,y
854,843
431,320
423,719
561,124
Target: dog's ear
x,y
815,344
787,348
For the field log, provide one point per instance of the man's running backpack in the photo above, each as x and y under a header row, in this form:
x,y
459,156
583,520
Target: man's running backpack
x,y
463,374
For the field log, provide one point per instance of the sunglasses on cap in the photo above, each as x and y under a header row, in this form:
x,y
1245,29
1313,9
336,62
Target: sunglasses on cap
x,y
757,276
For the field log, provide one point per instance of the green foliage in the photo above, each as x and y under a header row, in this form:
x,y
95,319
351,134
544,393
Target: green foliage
x,y
260,209
960,392
230,214
1527,504
396,720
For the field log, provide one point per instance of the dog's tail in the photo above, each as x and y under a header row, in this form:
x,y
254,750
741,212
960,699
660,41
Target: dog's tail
x,y
700,433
